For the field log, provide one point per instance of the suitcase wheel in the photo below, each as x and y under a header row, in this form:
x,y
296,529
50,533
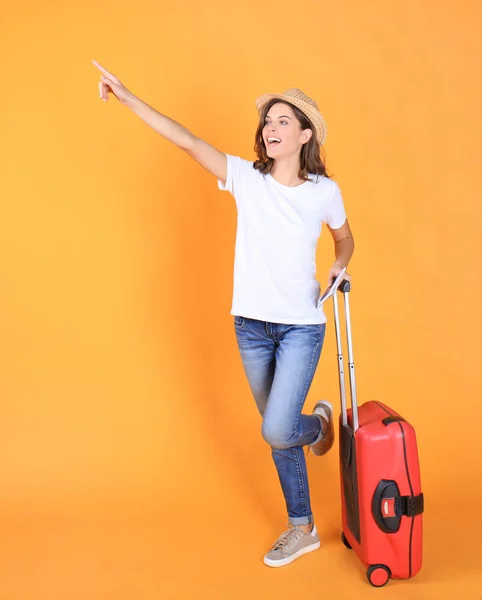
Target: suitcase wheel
x,y
345,541
378,575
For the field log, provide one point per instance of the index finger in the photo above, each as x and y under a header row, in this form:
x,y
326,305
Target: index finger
x,y
101,68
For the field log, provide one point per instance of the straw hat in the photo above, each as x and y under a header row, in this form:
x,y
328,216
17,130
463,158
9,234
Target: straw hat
x,y
304,103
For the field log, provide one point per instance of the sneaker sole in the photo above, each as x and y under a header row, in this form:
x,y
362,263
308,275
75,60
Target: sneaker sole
x,y
289,559
327,442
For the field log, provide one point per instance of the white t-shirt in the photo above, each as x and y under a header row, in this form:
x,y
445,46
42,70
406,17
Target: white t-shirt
x,y
277,234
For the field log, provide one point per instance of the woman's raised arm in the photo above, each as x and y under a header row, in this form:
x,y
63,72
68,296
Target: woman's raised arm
x,y
211,159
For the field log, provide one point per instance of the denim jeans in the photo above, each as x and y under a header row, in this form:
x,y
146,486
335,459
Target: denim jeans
x,y
280,361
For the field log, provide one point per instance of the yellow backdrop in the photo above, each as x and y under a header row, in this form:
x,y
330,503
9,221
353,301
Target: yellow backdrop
x,y
132,464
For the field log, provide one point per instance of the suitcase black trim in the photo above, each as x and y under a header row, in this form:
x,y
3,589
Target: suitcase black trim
x,y
408,478
392,419
350,480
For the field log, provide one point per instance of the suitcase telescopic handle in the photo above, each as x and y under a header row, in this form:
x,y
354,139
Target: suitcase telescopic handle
x,y
344,288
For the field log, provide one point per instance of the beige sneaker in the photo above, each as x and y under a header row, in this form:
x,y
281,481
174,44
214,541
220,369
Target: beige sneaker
x,y
324,411
290,545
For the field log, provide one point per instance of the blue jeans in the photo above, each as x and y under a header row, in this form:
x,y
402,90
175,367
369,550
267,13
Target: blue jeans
x,y
280,361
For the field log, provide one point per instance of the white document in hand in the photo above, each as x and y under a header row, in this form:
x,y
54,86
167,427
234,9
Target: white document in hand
x,y
331,289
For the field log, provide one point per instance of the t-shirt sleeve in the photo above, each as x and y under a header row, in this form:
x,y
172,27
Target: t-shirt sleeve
x,y
233,175
335,215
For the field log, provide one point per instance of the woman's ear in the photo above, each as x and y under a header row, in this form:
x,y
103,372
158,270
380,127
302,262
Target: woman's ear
x,y
306,135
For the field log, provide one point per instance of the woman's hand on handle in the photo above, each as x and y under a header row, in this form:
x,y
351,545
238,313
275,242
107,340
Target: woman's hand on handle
x,y
335,271
109,83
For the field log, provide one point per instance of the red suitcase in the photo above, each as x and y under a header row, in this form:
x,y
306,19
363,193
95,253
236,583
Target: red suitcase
x,y
382,501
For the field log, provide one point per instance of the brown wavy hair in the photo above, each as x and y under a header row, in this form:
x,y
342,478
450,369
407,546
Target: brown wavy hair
x,y
312,155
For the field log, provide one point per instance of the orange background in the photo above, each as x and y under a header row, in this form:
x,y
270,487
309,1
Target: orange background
x,y
132,460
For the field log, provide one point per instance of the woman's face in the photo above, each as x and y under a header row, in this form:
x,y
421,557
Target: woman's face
x,y
281,124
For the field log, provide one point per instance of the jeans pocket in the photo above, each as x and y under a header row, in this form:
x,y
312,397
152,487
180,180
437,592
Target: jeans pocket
x,y
239,322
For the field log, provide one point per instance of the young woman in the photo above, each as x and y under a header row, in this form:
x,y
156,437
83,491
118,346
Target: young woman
x,y
282,200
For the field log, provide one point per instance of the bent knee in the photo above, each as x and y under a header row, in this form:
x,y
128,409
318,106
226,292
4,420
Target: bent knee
x,y
276,436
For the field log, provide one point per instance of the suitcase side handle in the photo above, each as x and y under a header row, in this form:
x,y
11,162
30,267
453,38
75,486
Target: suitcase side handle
x,y
344,288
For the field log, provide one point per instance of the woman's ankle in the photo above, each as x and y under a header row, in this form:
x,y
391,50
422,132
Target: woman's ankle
x,y
306,528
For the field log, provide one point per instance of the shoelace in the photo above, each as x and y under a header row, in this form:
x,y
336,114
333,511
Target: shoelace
x,y
288,538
